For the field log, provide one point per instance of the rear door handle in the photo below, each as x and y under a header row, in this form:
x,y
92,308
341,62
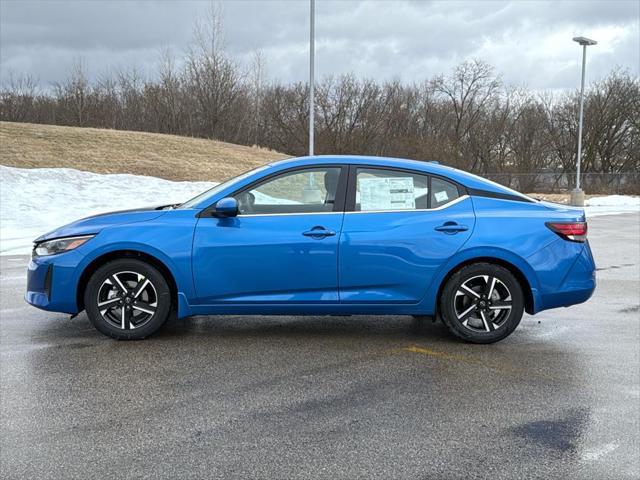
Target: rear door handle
x,y
451,228
319,232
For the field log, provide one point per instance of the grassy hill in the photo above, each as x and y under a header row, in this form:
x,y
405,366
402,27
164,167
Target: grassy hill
x,y
172,157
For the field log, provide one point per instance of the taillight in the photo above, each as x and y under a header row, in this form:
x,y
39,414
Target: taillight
x,y
573,231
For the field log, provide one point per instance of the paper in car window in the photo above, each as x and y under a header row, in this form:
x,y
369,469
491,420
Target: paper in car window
x,y
392,193
441,196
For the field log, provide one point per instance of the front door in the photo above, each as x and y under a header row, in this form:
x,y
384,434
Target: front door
x,y
401,228
283,245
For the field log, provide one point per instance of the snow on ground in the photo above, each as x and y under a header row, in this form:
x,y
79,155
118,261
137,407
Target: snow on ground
x,y
35,201
611,205
614,201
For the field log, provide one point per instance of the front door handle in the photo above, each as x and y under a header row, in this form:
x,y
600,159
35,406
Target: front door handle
x,y
319,232
451,228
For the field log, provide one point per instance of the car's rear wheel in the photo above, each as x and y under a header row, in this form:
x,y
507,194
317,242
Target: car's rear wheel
x,y
127,299
482,303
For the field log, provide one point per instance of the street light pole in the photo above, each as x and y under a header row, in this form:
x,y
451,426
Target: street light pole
x,y
312,21
577,195
584,62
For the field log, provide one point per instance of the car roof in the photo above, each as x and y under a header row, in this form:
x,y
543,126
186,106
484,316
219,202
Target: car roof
x,y
466,179
352,159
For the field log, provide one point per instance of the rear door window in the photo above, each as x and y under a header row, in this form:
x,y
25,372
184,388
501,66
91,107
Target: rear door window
x,y
442,192
385,189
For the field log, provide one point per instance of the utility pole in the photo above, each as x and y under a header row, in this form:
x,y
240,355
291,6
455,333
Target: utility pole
x,y
312,21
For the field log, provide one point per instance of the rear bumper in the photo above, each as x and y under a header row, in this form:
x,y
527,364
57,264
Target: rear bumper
x,y
576,285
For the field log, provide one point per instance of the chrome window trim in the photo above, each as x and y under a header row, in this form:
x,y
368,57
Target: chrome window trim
x,y
287,214
441,207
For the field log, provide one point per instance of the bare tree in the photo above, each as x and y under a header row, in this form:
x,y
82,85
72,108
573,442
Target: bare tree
x,y
73,95
169,95
213,79
470,90
257,81
17,98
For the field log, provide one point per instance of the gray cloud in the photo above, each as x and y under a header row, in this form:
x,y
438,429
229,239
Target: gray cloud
x,y
529,42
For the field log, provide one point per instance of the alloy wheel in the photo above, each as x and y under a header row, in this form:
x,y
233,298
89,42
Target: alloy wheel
x,y
482,303
127,300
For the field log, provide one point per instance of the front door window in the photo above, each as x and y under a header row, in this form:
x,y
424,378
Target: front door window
x,y
310,190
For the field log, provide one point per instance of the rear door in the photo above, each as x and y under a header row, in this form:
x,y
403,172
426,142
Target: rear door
x,y
399,228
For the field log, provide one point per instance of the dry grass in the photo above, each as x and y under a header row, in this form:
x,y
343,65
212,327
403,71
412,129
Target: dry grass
x,y
172,157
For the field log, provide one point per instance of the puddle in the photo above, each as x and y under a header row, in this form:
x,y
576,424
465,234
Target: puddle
x,y
561,434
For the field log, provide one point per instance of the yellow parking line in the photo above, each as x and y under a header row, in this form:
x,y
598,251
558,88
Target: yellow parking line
x,y
435,353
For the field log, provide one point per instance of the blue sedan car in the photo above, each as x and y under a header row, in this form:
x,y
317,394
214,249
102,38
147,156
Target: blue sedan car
x,y
324,235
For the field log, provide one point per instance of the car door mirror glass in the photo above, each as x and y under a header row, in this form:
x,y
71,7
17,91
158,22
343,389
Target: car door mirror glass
x,y
226,207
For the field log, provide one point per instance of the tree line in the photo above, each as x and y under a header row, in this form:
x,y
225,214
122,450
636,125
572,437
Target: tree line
x,y
467,118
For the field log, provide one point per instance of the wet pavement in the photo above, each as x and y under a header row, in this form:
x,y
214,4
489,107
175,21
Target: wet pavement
x,y
329,397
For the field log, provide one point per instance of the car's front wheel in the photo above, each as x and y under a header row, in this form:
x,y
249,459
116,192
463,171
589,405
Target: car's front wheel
x,y
127,299
482,303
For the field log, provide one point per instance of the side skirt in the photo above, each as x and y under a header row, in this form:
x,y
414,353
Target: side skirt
x,y
300,309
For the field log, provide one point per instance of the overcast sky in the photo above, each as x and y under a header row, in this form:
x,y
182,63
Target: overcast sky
x,y
529,42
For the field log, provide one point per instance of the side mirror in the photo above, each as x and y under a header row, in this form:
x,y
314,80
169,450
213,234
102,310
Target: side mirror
x,y
226,207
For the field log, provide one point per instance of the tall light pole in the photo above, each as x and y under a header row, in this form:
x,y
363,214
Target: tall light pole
x,y
577,195
312,81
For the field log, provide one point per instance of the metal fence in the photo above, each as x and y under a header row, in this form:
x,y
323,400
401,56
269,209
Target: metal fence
x,y
549,182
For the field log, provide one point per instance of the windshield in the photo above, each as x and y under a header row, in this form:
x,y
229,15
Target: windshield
x,y
218,188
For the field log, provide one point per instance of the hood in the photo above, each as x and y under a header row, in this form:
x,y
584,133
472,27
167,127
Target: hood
x,y
95,223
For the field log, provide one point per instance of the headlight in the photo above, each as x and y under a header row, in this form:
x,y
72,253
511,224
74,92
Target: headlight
x,y
59,245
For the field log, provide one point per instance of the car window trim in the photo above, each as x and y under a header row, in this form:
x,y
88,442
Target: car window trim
x,y
288,214
350,203
338,203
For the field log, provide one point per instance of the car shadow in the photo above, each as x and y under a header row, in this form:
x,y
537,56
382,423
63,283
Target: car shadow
x,y
361,326
59,327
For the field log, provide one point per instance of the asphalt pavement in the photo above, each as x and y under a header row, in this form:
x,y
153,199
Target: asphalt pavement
x,y
329,397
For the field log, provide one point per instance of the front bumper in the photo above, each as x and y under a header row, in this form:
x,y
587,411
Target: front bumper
x,y
51,283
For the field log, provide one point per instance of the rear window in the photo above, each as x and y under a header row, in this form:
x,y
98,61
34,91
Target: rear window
x,y
442,192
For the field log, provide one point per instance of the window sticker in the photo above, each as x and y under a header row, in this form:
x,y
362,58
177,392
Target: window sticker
x,y
391,193
441,196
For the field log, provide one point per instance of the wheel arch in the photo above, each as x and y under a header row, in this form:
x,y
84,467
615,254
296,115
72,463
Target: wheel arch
x,y
125,253
525,284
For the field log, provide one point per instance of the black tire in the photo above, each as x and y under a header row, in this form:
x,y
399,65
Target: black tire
x,y
469,313
124,312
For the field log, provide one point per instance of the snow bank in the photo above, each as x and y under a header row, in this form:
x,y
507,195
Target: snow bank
x,y
611,205
35,201
613,201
